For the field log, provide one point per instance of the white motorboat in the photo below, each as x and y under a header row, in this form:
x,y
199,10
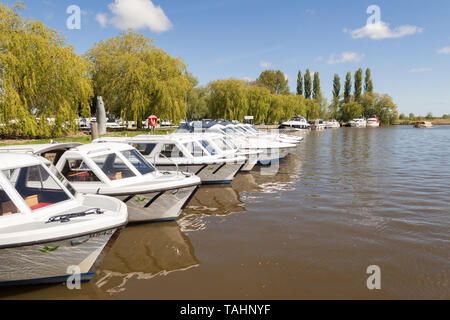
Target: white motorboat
x,y
48,231
358,123
186,153
297,123
373,122
272,151
120,171
317,125
274,135
333,124
423,124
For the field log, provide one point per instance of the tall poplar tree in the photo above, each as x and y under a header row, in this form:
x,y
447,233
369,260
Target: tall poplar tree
x,y
368,84
358,84
300,84
308,84
317,92
348,88
336,86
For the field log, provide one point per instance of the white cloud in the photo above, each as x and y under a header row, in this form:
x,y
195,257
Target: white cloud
x,y
416,70
265,64
136,14
381,30
346,57
102,19
248,79
444,50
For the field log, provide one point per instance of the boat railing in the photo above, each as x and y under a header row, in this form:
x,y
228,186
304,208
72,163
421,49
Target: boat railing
x,y
170,160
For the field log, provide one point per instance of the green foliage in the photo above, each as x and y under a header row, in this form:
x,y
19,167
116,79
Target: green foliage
x,y
317,91
351,111
312,109
137,79
197,103
300,84
44,85
358,84
348,88
429,116
259,102
228,99
274,80
368,84
336,86
308,84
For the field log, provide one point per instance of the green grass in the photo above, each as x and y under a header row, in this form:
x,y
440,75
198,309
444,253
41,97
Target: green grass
x,y
83,139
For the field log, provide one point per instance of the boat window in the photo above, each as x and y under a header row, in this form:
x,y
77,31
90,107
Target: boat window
x,y
7,207
195,149
222,144
36,186
113,167
208,147
62,179
145,148
170,150
75,170
138,161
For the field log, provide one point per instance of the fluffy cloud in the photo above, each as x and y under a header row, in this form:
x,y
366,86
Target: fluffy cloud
x,y
102,19
346,57
381,30
265,64
444,50
136,14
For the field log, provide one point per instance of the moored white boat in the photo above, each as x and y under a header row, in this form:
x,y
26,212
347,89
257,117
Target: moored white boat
x,y
373,122
49,231
187,153
317,125
120,171
333,124
358,123
297,123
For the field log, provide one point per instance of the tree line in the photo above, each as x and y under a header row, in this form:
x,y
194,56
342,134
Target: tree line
x,y
45,86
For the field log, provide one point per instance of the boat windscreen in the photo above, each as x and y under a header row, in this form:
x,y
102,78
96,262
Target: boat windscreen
x,y
208,147
138,161
113,167
36,186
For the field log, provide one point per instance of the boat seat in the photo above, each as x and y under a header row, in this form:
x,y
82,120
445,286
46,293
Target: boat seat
x,y
8,208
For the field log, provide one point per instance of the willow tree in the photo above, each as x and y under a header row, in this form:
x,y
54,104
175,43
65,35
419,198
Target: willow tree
x,y
228,99
275,81
137,79
44,84
259,102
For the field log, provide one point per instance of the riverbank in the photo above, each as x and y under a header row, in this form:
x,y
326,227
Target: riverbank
x,y
80,137
435,122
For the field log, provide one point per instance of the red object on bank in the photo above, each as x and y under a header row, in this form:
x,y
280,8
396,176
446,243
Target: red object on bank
x,y
153,121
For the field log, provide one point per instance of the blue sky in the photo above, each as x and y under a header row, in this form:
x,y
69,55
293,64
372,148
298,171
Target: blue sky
x,y
408,51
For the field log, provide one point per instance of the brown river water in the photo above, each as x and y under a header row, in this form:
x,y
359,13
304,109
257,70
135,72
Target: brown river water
x,y
345,200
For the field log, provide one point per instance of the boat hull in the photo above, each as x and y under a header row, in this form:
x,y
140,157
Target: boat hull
x,y
221,173
37,264
157,206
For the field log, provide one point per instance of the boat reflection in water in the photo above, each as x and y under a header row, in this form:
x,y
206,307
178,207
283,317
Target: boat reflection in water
x,y
143,252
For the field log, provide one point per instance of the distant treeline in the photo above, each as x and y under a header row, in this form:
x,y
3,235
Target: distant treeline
x,y
45,86
269,100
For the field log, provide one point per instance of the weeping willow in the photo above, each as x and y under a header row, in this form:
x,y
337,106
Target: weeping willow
x,y
136,79
44,84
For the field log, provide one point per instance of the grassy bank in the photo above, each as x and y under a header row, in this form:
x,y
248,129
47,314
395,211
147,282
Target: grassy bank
x,y
436,122
79,138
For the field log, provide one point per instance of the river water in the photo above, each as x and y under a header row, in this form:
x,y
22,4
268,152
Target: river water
x,y
345,200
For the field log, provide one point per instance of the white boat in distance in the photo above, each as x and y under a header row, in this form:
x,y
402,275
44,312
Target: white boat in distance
x,y
273,135
119,170
297,123
49,231
358,123
373,122
317,125
333,124
187,153
272,151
